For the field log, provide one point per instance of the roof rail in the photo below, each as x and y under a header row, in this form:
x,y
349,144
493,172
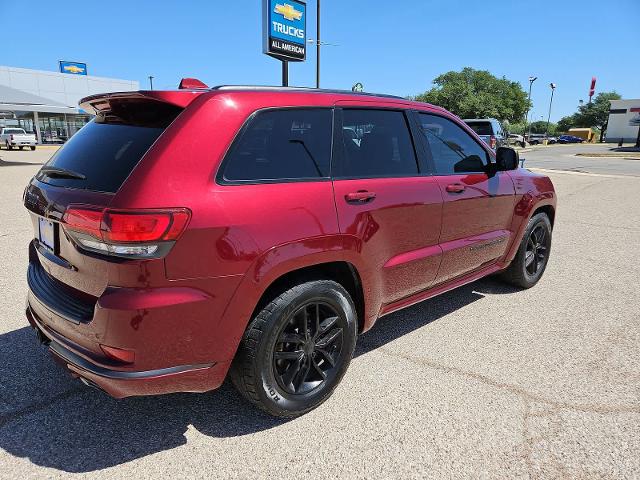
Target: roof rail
x,y
260,88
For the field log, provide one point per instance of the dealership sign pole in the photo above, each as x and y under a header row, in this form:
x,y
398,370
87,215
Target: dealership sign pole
x,y
284,32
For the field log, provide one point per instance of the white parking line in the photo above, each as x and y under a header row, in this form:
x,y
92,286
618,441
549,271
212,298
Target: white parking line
x,y
573,172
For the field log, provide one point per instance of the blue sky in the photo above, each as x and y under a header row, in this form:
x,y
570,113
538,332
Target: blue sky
x,y
393,47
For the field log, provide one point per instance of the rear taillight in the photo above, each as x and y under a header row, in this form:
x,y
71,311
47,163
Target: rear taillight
x,y
492,142
123,233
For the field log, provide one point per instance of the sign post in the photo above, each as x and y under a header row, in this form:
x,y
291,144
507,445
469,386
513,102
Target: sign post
x,y
592,88
284,32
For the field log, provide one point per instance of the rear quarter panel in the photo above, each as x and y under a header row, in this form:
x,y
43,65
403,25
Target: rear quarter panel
x,y
248,234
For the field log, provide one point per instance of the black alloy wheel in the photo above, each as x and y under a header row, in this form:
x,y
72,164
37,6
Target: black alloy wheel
x,y
536,251
308,347
532,256
297,348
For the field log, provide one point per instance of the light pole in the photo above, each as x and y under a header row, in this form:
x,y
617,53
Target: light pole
x,y
151,81
318,44
526,120
553,88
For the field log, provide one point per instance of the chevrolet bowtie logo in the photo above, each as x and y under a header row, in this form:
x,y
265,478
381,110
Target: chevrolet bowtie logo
x,y
73,69
288,11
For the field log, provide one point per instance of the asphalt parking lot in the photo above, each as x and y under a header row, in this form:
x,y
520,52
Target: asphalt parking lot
x,y
485,381
563,157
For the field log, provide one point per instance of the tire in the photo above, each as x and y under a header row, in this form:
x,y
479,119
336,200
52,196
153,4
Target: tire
x,y
265,366
532,257
33,148
20,147
9,147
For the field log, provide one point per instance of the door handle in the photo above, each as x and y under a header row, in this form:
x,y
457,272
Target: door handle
x,y
361,196
455,188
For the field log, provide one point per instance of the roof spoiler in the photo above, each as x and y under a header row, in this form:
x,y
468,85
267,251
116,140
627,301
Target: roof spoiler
x,y
95,104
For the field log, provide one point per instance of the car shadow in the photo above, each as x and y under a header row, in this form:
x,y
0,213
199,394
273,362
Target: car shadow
x,y
625,149
395,325
54,421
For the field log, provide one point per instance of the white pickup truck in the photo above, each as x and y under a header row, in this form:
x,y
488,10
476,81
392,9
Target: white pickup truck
x,y
16,137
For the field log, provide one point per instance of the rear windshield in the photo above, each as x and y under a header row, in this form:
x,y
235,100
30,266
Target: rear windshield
x,y
14,130
481,128
105,151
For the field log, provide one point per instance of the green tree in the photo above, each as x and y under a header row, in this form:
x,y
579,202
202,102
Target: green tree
x,y
591,115
565,123
478,94
518,127
540,126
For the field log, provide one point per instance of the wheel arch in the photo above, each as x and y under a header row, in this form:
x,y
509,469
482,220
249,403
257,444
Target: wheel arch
x,y
525,213
549,210
342,272
334,257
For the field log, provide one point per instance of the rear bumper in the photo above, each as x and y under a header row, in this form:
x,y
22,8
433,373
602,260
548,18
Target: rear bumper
x,y
125,383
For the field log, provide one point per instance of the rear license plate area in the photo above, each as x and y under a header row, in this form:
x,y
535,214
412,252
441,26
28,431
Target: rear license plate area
x,y
47,234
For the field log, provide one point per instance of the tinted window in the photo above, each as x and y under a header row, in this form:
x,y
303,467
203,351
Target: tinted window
x,y
106,150
453,150
481,128
376,143
282,144
14,130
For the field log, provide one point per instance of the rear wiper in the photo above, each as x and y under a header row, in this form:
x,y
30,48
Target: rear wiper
x,y
59,172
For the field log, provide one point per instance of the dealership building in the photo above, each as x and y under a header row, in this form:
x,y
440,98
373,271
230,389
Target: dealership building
x,y
46,103
624,121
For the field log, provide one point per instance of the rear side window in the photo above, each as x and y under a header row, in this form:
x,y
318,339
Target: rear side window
x,y
454,151
376,143
282,145
107,149
481,128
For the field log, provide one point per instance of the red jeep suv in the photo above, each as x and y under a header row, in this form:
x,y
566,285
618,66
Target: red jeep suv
x,y
181,235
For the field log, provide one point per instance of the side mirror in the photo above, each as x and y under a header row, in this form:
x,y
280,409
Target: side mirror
x,y
506,159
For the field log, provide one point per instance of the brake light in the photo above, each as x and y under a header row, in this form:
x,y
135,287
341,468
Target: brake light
x,y
135,233
127,227
492,142
84,220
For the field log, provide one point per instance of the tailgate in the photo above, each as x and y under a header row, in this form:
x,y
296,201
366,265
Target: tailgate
x,y
87,172
52,250
24,138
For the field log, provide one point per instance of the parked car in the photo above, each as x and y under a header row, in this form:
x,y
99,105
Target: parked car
x,y
515,139
490,130
538,138
16,137
535,139
570,139
165,257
